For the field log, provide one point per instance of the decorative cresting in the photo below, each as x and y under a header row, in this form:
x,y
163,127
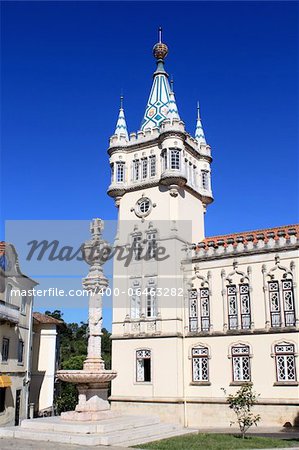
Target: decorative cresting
x,y
93,381
158,103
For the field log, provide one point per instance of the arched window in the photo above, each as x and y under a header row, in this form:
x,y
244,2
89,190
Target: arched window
x,y
238,299
240,362
199,309
143,365
200,364
285,362
284,291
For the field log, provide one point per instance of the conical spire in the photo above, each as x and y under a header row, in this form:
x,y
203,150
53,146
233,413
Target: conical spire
x,y
172,106
199,133
121,126
157,105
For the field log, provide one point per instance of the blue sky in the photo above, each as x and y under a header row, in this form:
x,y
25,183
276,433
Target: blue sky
x,y
64,65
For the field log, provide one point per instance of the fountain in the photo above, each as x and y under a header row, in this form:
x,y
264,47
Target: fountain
x,y
93,381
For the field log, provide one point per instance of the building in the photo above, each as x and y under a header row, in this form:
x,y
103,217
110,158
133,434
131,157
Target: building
x,y
45,359
197,314
15,337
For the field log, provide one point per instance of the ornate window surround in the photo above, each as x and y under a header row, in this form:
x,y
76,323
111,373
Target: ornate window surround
x,y
200,345
274,356
205,284
230,355
143,349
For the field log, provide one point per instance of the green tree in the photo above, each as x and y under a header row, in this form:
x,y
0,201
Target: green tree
x,y
241,403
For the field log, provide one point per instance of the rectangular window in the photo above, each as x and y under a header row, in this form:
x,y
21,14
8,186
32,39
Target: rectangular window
x,y
151,245
120,172
137,247
205,309
144,168
274,299
143,366
245,306
23,304
20,351
2,399
200,364
112,172
205,179
136,170
175,159
153,166
288,303
165,160
232,307
5,349
193,313
241,363
151,299
285,362
136,300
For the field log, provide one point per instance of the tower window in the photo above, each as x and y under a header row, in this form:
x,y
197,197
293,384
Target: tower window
x,y
120,172
136,170
241,363
175,159
137,247
20,350
112,172
5,349
200,364
151,244
144,168
285,362
232,307
165,160
136,300
152,165
151,299
205,179
143,366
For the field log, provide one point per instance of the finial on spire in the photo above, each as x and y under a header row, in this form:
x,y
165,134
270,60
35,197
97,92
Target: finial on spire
x,y
121,101
171,83
199,133
160,35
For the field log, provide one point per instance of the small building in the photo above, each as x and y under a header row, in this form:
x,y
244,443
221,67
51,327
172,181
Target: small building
x,y
15,337
45,357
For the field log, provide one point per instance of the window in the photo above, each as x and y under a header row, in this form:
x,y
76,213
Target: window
x,y
5,349
136,300
205,179
20,351
245,306
193,315
152,165
8,293
175,159
23,304
200,364
151,244
151,299
285,362
112,172
143,206
288,302
165,160
137,247
2,399
232,307
136,171
144,168
241,363
274,303
205,309
120,172
143,365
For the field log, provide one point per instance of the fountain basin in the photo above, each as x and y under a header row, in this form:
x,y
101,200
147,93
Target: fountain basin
x,y
86,377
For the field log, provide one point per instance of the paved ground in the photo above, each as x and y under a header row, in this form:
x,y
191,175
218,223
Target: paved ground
x,y
21,444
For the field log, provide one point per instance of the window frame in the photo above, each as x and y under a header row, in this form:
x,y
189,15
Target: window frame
x,y
147,356
153,166
201,357
5,350
175,159
21,347
285,354
241,356
120,171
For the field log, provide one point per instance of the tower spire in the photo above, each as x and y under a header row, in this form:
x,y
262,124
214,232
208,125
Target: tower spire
x,y
172,106
121,126
157,106
199,133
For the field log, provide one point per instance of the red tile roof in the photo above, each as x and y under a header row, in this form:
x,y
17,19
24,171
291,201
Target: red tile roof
x,y
252,236
44,318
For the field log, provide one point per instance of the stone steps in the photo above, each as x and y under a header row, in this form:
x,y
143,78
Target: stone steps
x,y
122,430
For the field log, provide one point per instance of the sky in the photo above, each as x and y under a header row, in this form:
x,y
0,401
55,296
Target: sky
x,y
64,65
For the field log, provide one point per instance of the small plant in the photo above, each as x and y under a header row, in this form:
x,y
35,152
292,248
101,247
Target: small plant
x,y
241,403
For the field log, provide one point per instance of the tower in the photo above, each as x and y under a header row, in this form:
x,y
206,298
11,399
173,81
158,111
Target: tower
x,y
160,180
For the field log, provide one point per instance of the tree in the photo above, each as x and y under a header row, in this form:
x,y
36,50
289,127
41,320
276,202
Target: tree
x,y
241,403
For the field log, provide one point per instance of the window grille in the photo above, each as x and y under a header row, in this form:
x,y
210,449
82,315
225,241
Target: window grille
x,y
120,172
288,302
153,166
274,303
232,307
193,313
205,179
245,306
200,364
241,363
205,308
144,168
285,362
175,159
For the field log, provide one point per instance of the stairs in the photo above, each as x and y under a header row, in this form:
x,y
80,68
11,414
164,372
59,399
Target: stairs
x,y
123,431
